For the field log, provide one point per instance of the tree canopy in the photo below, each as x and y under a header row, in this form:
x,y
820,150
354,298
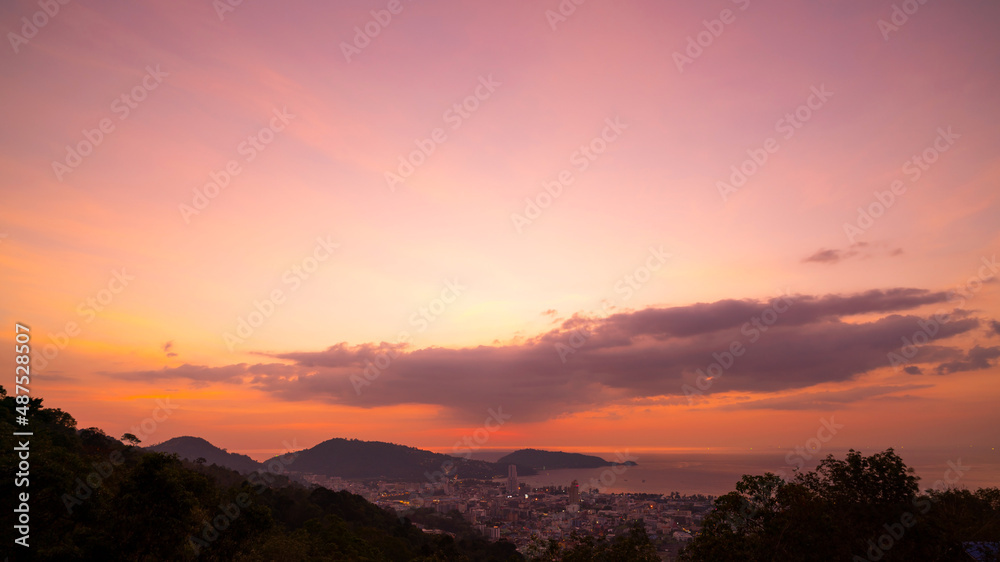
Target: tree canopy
x,y
860,508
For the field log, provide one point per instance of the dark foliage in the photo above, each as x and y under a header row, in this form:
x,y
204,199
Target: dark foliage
x,y
94,498
859,508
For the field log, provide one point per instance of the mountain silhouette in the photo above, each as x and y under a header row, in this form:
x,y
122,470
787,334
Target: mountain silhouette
x,y
193,448
352,458
550,460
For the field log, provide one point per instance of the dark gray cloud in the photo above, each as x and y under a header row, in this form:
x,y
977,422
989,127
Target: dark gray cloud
x,y
705,318
784,344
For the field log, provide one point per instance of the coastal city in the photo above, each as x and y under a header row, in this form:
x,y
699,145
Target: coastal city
x,y
529,517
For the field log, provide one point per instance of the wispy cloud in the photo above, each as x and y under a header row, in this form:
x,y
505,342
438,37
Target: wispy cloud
x,y
862,250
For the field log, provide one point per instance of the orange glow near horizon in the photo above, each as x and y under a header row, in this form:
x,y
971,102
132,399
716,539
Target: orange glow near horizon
x,y
139,287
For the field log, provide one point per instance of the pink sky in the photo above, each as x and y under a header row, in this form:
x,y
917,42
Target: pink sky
x,y
639,246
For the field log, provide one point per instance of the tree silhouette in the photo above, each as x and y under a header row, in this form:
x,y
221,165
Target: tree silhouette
x,y
856,508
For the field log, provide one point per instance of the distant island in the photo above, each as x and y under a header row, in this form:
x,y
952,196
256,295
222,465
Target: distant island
x,y
352,458
536,459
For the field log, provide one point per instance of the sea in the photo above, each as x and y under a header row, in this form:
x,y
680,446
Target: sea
x,y
716,472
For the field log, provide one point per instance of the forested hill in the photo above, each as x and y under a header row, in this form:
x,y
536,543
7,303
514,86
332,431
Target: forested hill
x,y
91,497
194,448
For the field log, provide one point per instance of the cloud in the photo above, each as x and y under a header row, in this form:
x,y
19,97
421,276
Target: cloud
x,y
977,358
167,347
823,399
862,249
706,318
786,344
826,256
995,326
228,374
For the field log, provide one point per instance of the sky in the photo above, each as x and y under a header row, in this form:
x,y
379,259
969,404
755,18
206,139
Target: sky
x,y
577,225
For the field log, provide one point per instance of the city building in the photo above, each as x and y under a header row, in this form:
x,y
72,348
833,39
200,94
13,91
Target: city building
x,y
512,486
574,492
